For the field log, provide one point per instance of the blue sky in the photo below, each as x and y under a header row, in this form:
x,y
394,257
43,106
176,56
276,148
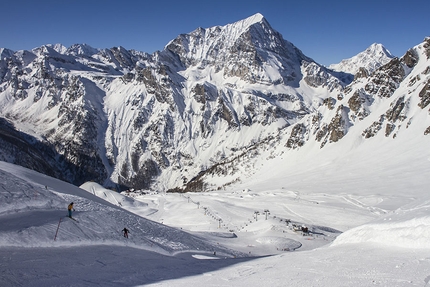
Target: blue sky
x,y
327,31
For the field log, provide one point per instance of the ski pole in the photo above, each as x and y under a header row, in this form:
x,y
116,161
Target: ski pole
x,y
58,227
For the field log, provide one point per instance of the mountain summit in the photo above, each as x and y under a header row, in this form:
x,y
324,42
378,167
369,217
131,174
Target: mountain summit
x,y
257,17
243,25
249,49
372,58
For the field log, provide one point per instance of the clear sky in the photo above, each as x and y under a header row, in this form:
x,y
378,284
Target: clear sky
x,y
327,31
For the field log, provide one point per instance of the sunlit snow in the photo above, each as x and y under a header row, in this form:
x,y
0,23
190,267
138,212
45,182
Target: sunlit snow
x,y
223,238
354,213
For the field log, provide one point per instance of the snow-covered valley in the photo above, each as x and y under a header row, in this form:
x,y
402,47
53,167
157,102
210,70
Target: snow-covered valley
x,y
368,225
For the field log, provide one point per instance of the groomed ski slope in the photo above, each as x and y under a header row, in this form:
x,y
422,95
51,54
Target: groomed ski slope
x,y
34,206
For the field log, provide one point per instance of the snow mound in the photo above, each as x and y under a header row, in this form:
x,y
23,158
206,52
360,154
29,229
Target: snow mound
x,y
114,197
281,243
406,228
204,257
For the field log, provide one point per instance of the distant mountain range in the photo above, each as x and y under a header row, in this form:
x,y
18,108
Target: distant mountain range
x,y
203,107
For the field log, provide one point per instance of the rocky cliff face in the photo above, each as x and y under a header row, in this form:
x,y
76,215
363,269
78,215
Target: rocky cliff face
x,y
210,98
398,85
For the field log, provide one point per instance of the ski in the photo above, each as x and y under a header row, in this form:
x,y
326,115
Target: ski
x,y
73,219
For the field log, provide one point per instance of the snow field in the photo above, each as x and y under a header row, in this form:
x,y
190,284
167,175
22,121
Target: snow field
x,y
384,240
31,219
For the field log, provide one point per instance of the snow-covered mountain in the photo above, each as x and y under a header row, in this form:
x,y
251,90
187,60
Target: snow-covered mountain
x,y
127,117
205,106
370,59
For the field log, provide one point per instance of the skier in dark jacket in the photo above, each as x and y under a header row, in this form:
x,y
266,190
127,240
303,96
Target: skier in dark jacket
x,y
125,230
70,208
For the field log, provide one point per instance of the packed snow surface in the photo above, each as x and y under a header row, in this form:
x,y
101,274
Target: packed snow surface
x,y
220,238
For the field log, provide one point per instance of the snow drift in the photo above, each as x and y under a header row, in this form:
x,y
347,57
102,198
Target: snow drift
x,y
407,227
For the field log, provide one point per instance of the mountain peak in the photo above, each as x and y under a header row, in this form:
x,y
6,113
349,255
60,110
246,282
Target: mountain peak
x,y
245,24
373,57
82,49
377,48
252,42
256,18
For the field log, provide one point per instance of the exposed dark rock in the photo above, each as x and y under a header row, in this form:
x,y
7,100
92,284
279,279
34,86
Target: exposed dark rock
x,y
395,112
338,125
297,136
359,103
318,76
329,102
385,80
427,46
389,128
362,73
223,112
410,58
373,129
128,77
425,95
199,93
142,179
321,133
413,80
123,56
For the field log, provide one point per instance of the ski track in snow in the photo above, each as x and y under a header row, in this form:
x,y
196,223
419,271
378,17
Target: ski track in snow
x,y
360,204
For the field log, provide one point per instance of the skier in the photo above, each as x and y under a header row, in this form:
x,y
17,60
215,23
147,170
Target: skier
x,y
125,230
70,208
